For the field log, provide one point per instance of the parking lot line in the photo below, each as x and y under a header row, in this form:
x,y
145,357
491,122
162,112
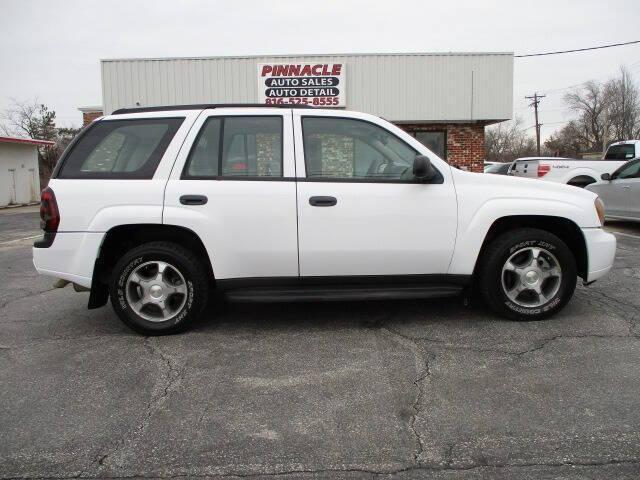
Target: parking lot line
x,y
19,240
626,234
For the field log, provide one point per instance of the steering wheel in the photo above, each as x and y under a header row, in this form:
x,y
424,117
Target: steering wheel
x,y
374,168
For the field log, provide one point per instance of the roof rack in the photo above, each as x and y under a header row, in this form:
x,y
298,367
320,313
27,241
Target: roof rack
x,y
202,106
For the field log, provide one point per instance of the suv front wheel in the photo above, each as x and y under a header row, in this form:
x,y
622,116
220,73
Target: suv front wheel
x,y
527,274
158,288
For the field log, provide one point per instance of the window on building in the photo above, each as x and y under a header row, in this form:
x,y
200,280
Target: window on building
x,y
251,147
354,149
434,141
120,149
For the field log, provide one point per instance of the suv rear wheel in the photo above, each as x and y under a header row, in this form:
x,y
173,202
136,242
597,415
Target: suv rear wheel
x,y
527,274
158,288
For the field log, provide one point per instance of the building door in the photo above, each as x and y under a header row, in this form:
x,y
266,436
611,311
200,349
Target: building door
x,y
12,186
360,210
33,190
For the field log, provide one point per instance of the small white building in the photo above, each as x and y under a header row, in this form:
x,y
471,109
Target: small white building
x,y
19,172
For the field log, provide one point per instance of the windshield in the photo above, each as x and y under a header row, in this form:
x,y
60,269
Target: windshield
x,y
496,168
621,152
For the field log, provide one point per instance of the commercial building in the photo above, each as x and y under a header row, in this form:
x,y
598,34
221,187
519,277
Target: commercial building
x,y
19,172
444,99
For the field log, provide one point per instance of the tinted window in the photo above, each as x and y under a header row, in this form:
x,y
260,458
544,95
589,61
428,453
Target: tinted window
x,y
632,170
250,147
120,149
620,152
498,168
354,149
203,158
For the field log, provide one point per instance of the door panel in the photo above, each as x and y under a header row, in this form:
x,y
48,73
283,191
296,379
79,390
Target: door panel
x,y
248,223
376,229
613,196
374,218
624,191
633,197
247,227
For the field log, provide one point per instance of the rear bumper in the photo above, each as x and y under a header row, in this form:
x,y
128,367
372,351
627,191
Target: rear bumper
x,y
71,256
601,252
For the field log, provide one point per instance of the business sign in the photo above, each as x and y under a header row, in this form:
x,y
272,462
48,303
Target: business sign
x,y
319,84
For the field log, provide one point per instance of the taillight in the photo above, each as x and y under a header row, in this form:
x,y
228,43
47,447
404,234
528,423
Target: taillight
x,y
49,214
543,169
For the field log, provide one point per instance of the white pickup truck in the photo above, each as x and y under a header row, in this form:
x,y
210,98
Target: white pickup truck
x,y
579,173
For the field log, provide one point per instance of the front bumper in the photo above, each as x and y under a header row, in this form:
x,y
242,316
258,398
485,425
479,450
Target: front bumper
x,y
601,252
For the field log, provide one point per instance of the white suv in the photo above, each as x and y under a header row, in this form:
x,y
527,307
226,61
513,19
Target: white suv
x,y
157,207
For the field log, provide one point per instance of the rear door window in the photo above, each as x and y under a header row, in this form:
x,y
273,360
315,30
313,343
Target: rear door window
x,y
120,149
237,146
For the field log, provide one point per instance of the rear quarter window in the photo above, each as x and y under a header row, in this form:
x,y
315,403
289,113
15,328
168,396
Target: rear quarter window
x,y
120,149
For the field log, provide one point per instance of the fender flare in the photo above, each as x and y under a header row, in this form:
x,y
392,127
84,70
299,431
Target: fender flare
x,y
471,238
582,180
581,173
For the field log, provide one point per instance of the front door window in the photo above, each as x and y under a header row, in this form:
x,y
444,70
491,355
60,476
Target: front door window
x,y
344,148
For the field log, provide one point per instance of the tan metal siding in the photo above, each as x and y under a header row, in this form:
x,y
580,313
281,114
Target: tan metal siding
x,y
398,87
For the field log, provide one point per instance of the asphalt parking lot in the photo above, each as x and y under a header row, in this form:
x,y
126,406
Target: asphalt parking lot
x,y
347,390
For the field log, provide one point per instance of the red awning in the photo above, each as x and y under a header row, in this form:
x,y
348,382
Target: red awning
x,y
27,141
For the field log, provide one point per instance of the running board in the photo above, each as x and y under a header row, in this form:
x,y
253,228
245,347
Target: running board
x,y
336,294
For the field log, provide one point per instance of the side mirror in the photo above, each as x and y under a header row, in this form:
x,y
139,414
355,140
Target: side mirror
x,y
606,177
422,168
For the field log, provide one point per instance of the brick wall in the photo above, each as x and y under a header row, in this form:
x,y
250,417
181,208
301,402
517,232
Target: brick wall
x,y
465,142
88,117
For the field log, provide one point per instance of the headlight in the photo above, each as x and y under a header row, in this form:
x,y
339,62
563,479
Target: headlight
x,y
600,209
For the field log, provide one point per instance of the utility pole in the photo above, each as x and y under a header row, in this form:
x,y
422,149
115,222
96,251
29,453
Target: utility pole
x,y
605,133
536,101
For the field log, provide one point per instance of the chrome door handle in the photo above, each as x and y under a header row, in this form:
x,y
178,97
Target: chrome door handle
x,y
628,187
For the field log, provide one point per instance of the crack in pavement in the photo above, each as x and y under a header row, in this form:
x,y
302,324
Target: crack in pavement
x,y
172,378
539,345
422,359
22,297
614,304
363,470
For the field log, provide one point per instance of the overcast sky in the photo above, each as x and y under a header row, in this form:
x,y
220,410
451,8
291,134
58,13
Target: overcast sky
x,y
51,49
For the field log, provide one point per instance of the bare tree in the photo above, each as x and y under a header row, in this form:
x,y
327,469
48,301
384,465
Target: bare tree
x,y
35,120
623,107
566,142
507,141
589,103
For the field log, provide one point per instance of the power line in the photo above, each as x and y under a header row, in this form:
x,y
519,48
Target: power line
x,y
634,66
577,49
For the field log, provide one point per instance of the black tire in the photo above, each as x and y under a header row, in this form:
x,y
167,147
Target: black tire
x,y
490,275
196,281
